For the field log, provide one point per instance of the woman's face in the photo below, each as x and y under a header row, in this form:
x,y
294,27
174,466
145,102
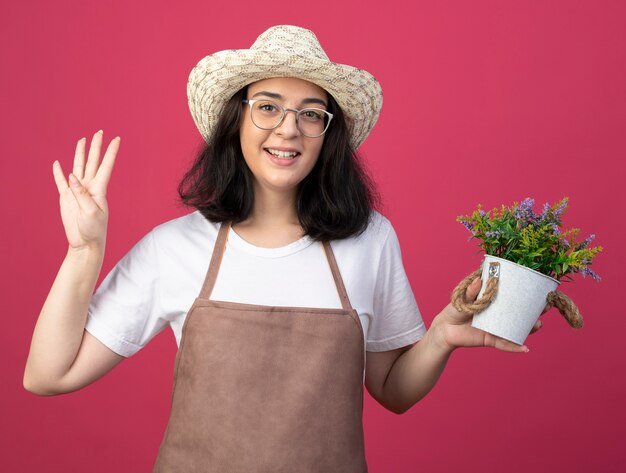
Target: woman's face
x,y
281,158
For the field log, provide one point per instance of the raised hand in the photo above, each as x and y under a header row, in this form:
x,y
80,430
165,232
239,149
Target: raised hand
x,y
82,200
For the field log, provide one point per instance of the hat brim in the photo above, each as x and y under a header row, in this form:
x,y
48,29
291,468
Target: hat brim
x,y
216,78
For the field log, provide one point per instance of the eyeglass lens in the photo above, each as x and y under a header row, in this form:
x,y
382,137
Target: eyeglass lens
x,y
311,122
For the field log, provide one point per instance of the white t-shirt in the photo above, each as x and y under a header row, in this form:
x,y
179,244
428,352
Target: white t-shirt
x,y
156,283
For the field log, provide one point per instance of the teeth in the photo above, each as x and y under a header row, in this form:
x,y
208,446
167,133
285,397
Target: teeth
x,y
282,154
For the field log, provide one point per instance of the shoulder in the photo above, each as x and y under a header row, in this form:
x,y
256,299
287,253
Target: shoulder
x,y
378,230
192,228
190,223
372,241
379,227
181,240
175,240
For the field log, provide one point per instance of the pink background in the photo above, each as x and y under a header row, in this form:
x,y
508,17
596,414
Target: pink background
x,y
485,101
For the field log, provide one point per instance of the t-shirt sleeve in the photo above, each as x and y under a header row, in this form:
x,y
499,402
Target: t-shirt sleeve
x,y
124,313
396,321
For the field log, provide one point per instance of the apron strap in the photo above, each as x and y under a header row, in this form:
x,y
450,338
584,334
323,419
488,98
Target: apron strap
x,y
216,260
218,253
341,289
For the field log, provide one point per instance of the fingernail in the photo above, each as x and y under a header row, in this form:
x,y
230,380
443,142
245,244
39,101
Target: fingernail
x,y
101,132
526,349
118,138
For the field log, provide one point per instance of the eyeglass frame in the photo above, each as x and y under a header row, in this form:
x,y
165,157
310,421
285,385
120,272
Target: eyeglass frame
x,y
251,102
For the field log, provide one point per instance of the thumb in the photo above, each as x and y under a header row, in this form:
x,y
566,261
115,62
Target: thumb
x,y
471,293
83,198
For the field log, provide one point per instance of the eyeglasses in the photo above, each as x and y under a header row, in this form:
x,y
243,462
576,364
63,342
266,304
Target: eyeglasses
x,y
267,115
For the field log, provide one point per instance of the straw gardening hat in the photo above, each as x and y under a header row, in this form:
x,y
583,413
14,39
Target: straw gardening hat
x,y
282,51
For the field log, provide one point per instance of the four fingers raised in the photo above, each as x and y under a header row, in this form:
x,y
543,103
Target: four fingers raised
x,y
93,168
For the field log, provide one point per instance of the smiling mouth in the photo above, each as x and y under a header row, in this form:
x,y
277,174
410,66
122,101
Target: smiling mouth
x,y
282,154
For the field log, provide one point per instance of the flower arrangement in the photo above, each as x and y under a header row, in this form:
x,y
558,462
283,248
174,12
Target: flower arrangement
x,y
537,241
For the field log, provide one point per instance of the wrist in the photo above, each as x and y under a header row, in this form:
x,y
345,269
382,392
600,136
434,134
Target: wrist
x,y
86,254
437,335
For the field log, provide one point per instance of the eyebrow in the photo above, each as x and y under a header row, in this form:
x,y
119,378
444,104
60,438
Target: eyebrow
x,y
276,96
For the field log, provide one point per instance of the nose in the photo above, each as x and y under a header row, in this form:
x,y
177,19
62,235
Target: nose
x,y
289,126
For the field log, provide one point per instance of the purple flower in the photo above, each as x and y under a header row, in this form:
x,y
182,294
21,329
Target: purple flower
x,y
482,213
544,212
585,242
495,234
589,272
555,229
560,209
468,225
524,210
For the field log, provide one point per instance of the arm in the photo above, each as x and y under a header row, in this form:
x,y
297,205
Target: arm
x,y
63,357
398,379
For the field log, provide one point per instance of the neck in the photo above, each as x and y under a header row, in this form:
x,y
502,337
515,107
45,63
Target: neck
x,y
273,221
274,208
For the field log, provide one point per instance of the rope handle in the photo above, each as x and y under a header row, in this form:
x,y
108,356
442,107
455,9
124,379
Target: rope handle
x,y
458,295
556,299
567,308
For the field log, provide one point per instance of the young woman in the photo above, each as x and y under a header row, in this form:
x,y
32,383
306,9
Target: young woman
x,y
285,289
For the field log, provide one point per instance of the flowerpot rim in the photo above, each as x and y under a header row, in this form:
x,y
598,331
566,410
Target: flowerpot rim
x,y
522,266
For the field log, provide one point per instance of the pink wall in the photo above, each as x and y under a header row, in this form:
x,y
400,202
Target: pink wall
x,y
485,101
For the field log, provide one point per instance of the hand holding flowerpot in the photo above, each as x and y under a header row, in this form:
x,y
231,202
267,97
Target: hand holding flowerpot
x,y
526,256
511,299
